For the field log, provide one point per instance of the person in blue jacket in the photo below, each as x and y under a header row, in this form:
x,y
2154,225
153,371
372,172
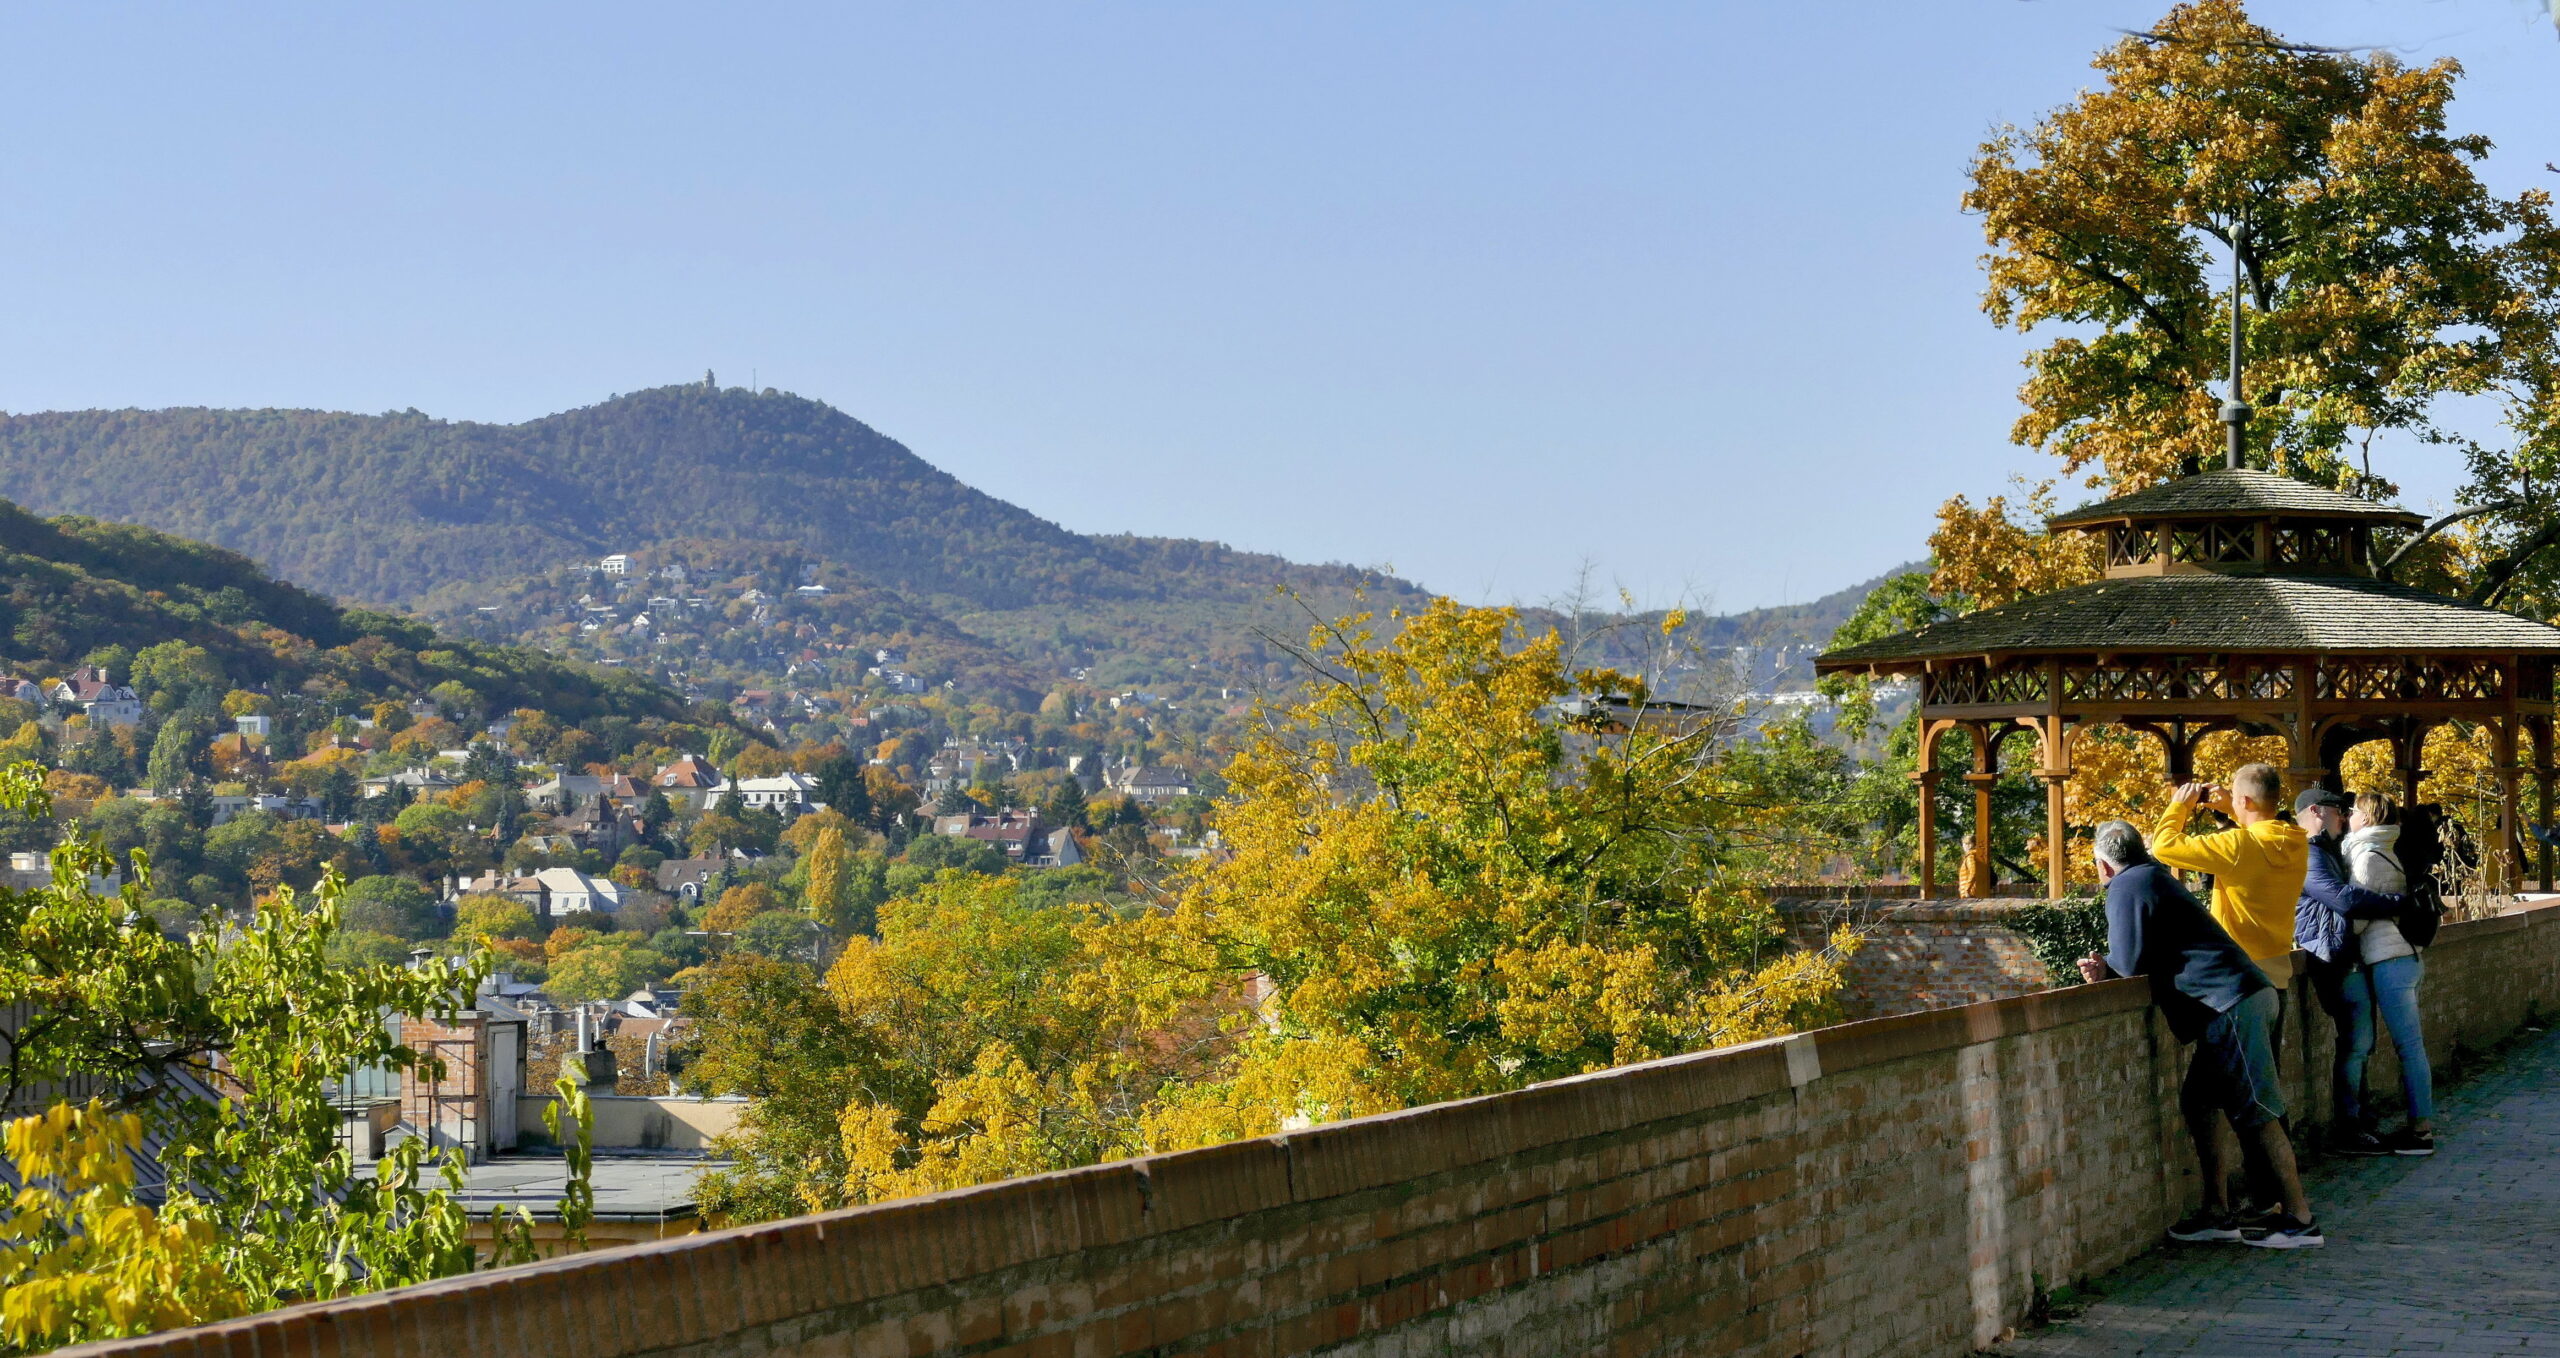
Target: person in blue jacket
x,y
2324,926
2218,1001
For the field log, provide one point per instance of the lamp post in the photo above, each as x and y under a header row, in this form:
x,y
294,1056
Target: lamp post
x,y
2235,407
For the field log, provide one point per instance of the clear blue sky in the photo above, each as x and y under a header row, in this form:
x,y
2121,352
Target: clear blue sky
x,y
1480,291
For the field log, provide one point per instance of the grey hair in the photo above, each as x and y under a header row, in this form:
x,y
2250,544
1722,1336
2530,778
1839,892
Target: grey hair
x,y
2120,844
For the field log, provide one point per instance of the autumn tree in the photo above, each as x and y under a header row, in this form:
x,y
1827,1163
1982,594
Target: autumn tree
x,y
2380,276
608,967
739,904
1461,866
828,891
263,1202
486,918
972,1040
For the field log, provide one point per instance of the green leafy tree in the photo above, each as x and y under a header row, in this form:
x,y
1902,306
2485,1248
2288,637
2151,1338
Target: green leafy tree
x,y
175,674
174,752
100,757
844,789
767,1029
391,905
786,934
1065,806
607,968
255,1008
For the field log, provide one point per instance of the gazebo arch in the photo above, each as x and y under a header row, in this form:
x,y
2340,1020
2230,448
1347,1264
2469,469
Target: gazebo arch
x,y
2233,599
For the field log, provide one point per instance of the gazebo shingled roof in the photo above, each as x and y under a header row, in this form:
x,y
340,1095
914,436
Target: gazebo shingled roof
x,y
2233,599
2233,491
2258,613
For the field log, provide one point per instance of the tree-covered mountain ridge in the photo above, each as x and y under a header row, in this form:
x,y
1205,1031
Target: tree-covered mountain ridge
x,y
393,508
73,587
492,528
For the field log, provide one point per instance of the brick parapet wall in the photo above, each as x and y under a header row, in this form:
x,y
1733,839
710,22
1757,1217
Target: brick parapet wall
x,y
1894,1186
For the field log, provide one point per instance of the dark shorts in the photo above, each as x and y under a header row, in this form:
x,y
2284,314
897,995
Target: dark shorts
x,y
2234,1066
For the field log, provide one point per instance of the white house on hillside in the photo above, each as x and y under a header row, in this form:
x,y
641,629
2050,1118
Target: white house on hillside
x,y
787,793
567,891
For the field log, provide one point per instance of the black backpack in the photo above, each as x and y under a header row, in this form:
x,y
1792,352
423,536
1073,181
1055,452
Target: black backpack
x,y
2423,861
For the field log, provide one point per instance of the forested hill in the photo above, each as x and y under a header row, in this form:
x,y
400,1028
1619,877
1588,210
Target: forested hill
x,y
1804,624
390,508
74,590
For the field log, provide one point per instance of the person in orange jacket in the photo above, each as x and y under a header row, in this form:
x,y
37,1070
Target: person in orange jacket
x,y
2257,866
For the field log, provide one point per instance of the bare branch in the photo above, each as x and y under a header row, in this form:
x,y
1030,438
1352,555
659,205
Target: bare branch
x,y
2499,574
2469,512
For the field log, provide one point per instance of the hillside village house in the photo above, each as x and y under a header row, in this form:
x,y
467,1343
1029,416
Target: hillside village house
x,y
617,564
683,878
416,782
570,791
597,824
1153,784
786,794
690,783
103,702
1019,833
228,807
551,893
964,763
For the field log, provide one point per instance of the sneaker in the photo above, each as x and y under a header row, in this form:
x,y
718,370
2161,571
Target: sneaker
x,y
2198,1228
2413,1143
2357,1142
2281,1232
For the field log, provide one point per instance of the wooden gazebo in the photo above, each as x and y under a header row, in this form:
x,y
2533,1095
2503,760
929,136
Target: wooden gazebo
x,y
2233,600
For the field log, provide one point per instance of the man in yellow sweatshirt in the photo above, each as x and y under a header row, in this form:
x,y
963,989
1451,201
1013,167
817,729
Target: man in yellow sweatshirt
x,y
2257,867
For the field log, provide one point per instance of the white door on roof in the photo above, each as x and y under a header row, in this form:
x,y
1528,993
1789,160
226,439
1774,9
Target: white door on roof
x,y
506,1083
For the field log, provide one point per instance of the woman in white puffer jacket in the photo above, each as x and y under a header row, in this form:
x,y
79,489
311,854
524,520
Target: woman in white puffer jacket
x,y
2387,980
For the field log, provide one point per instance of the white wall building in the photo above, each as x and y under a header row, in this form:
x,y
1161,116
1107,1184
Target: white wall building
x,y
568,891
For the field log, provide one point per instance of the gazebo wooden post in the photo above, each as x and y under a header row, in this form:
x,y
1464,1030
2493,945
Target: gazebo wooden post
x,y
2055,739
2303,738
1926,777
2541,729
2409,756
2510,855
1985,776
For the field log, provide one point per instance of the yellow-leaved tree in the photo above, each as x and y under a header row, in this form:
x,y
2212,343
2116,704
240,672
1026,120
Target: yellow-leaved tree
x,y
1453,864
80,1258
973,1038
2380,276
1457,865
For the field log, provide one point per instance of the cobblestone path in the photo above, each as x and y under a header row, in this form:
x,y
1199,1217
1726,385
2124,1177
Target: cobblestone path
x,y
2458,1253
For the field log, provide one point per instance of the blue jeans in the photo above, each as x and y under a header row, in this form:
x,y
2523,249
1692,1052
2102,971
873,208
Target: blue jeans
x,y
2392,988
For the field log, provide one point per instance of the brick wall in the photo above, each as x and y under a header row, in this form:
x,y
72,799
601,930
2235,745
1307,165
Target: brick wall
x,y
1919,954
1894,1186
453,1104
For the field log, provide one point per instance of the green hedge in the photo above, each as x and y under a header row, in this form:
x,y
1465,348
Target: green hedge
x,y
2062,933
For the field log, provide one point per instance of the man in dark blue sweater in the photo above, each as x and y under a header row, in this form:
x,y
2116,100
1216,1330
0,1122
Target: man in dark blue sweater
x,y
2217,1000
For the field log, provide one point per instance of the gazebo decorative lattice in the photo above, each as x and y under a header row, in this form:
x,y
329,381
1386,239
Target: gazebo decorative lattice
x,y
2233,599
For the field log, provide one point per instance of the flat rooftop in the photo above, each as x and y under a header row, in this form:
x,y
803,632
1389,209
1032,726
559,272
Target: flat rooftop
x,y
628,1187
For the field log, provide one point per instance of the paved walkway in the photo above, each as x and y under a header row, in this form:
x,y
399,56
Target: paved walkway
x,y
2458,1253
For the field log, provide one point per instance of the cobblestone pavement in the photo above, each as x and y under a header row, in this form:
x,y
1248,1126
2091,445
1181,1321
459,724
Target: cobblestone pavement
x,y
2458,1253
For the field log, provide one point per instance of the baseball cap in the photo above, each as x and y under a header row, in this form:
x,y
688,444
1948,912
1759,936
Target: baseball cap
x,y
2317,796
